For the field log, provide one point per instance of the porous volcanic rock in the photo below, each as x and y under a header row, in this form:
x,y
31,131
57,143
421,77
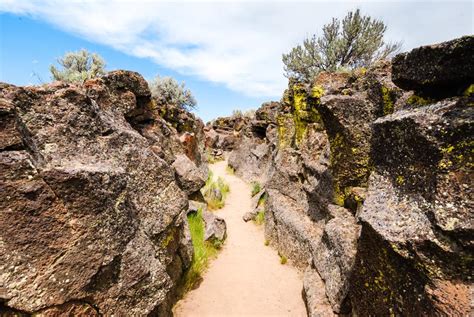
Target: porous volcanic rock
x,y
440,69
92,220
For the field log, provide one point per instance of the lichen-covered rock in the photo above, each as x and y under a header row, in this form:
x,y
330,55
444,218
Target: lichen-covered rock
x,y
439,70
334,256
91,218
415,251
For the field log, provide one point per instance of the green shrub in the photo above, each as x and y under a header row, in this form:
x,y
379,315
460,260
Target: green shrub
x,y
267,242
78,66
255,188
355,41
215,192
203,252
283,259
168,92
260,218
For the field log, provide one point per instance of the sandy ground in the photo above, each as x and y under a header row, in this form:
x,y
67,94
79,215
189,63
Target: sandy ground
x,y
247,278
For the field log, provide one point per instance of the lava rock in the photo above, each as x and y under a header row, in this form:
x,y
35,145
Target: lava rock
x,y
440,69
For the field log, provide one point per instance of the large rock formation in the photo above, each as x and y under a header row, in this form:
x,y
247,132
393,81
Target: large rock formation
x,y
369,184
92,218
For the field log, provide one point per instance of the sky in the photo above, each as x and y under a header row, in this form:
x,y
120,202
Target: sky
x,y
227,52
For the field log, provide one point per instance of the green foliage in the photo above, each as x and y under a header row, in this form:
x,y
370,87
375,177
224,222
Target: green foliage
x,y
267,242
203,252
260,218
237,114
215,192
168,92
230,170
283,259
78,66
387,99
419,101
256,188
352,42
246,114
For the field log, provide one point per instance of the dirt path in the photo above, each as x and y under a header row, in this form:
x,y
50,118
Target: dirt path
x,y
247,278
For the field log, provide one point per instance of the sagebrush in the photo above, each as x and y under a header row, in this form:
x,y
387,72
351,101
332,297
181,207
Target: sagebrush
x,y
166,91
77,67
355,41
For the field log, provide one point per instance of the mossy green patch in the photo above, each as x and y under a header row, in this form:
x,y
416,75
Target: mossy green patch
x,y
469,91
419,101
388,101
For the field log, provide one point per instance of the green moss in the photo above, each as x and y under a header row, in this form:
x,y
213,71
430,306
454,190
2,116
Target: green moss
x,y
388,102
169,237
419,101
469,91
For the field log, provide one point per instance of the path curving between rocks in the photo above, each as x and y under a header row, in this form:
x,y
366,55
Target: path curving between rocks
x,y
247,278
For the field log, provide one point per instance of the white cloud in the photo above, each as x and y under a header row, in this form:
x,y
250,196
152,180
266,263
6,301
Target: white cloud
x,y
236,43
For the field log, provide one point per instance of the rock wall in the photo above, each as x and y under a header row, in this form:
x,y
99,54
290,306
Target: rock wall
x,y
92,212
369,182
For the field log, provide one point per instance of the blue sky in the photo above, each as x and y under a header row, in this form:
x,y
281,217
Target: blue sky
x,y
227,52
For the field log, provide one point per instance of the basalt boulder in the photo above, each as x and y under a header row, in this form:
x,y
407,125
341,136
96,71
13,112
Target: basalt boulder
x,y
437,70
415,250
92,220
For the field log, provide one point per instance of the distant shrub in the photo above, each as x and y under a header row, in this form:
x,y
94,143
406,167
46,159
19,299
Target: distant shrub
x,y
78,66
168,92
255,188
267,242
215,192
250,113
283,259
237,114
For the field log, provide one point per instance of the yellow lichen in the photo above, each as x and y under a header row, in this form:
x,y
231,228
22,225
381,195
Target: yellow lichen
x,y
388,105
400,180
317,92
469,91
416,100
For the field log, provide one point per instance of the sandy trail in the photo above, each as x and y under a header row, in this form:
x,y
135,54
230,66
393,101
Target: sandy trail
x,y
247,278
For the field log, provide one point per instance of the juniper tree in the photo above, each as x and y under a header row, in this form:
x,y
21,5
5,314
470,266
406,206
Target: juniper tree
x,y
354,41
78,67
167,91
